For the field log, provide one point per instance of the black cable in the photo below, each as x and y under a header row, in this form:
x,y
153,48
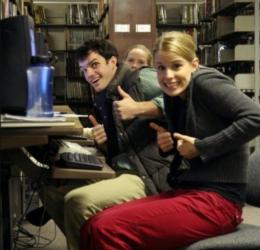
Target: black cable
x,y
23,239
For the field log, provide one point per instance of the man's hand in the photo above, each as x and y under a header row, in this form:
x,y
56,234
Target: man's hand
x,y
164,138
185,146
126,108
98,131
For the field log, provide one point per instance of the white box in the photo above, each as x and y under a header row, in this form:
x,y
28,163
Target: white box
x,y
244,23
245,81
245,52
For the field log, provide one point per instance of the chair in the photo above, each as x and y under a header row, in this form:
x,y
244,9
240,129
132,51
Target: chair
x,y
246,236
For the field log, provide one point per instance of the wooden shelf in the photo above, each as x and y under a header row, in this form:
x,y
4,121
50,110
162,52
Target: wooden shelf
x,y
69,26
105,12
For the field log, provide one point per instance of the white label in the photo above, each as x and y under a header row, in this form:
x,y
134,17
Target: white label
x,y
122,27
143,28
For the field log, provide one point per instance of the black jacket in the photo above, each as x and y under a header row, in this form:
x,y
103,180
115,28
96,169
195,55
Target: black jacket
x,y
132,145
223,120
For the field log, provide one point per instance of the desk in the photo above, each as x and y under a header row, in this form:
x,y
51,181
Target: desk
x,y
11,139
69,173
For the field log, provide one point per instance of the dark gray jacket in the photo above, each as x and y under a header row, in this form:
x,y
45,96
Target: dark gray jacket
x,y
133,144
224,120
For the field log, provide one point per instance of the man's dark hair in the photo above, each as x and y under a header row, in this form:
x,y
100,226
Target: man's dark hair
x,y
101,46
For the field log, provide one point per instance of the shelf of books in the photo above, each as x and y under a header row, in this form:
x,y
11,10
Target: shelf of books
x,y
66,27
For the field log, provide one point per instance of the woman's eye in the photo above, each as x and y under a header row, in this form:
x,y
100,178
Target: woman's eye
x,y
142,62
130,60
176,66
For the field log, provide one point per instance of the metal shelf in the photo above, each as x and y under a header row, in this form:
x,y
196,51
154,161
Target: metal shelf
x,y
177,26
231,8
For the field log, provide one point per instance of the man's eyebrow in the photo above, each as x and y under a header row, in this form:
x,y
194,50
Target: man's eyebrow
x,y
91,62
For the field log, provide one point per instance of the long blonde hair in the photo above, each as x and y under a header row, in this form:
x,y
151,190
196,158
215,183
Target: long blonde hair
x,y
179,43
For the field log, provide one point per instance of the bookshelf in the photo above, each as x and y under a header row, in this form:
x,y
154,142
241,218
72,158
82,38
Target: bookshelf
x,y
66,25
104,19
128,22
229,41
178,15
9,8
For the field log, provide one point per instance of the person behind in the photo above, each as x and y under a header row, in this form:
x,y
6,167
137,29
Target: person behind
x,y
132,148
138,56
210,122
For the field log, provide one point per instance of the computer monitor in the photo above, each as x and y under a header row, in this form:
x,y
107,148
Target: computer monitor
x,y
17,45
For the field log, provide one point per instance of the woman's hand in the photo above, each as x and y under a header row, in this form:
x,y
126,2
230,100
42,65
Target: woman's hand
x,y
164,138
186,146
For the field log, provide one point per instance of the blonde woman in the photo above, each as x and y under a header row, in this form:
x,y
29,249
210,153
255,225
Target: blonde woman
x,y
138,56
210,122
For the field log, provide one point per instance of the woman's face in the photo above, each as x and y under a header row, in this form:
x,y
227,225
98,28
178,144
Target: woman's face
x,y
136,59
174,73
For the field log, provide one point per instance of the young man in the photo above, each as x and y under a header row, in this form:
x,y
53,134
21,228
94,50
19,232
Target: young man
x,y
126,103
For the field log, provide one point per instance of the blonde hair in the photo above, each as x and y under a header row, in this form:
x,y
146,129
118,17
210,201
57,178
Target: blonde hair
x,y
179,43
148,53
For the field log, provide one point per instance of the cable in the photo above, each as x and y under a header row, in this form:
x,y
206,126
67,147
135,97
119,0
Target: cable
x,y
23,239
33,160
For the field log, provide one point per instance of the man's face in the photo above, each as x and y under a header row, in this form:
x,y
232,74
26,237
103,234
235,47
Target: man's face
x,y
98,71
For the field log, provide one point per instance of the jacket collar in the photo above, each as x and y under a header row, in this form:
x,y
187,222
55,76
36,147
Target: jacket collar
x,y
111,91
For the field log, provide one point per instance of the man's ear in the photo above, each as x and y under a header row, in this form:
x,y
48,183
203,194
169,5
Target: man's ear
x,y
113,60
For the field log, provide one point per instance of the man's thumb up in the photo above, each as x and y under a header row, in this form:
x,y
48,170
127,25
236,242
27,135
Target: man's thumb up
x,y
122,93
93,120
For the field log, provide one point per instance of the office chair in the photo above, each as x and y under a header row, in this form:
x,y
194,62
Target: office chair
x,y
246,236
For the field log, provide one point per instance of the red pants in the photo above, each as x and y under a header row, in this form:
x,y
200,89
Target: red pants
x,y
165,221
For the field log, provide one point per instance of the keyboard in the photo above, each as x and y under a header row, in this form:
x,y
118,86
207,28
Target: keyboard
x,y
79,161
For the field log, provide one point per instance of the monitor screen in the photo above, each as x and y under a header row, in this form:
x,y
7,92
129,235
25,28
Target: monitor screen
x,y
17,45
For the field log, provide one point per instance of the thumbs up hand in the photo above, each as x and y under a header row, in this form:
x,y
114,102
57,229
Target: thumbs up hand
x,y
164,138
98,131
185,146
126,107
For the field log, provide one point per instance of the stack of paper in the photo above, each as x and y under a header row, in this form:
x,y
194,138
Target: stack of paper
x,y
15,121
